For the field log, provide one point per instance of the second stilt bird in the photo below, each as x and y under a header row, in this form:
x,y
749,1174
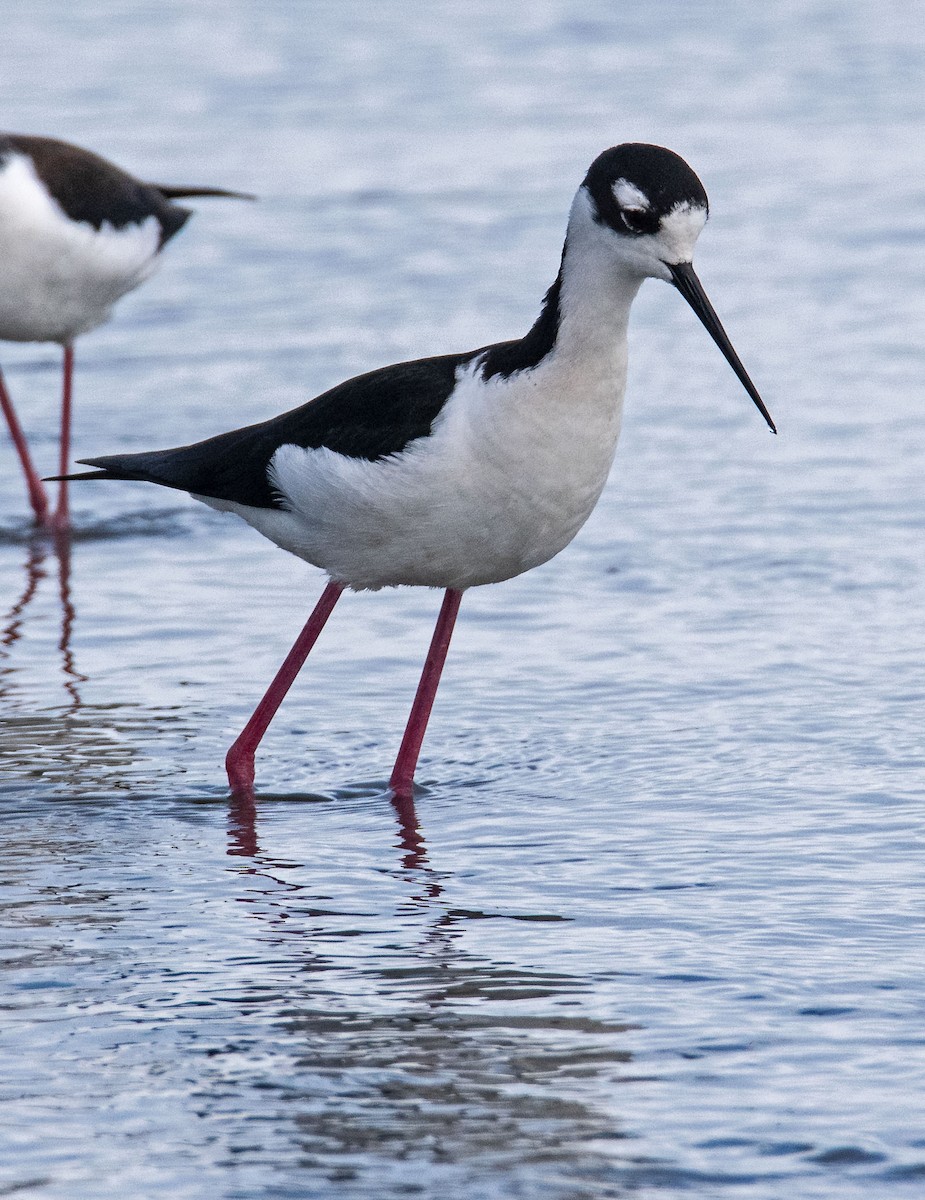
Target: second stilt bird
x,y
76,234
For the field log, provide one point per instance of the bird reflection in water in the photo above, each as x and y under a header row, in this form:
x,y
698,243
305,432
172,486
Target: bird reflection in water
x,y
243,842
410,839
12,624
242,825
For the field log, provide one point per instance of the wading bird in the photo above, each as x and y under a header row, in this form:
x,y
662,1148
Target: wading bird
x,y
466,469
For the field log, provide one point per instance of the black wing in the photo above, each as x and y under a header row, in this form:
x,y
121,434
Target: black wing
x,y
369,417
92,189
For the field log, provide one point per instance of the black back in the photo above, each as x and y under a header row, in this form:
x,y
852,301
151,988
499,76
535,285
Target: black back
x,y
92,190
369,417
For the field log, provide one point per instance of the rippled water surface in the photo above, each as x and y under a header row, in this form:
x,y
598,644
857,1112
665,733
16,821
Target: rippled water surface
x,y
654,925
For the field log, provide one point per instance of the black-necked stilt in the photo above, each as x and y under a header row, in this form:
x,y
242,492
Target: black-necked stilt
x,y
469,468
76,234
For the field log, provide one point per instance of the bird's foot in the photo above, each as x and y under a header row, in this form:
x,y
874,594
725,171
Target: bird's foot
x,y
402,787
239,765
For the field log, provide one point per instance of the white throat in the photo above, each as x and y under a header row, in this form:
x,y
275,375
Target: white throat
x,y
596,295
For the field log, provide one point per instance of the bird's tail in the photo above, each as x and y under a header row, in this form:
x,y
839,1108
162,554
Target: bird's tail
x,y
170,192
230,466
151,467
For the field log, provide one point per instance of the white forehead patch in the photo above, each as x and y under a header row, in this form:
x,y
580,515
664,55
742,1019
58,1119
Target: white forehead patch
x,y
627,195
680,229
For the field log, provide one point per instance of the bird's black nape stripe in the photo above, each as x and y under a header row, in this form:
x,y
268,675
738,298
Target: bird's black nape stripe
x,y
506,358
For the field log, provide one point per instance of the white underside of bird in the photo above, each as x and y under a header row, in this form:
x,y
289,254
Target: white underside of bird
x,y
60,278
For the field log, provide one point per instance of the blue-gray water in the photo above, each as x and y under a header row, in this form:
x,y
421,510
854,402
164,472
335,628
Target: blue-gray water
x,y
659,929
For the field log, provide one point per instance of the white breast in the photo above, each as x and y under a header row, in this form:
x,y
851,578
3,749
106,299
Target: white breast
x,y
60,278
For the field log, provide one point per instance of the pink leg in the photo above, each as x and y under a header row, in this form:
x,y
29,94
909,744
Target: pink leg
x,y
239,761
402,781
62,517
37,495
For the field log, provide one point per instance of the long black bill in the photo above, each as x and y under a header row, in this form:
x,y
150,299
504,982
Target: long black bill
x,y
685,280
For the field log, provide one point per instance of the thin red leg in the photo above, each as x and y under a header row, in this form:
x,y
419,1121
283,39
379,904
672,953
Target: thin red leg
x,y
38,497
402,781
62,517
239,761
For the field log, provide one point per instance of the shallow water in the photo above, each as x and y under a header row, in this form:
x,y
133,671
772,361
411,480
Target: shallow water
x,y
654,924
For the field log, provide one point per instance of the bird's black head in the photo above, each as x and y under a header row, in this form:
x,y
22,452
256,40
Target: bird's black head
x,y
648,208
634,186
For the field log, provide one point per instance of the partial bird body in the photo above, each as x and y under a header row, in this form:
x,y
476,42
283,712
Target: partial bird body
x,y
466,469
60,275
76,234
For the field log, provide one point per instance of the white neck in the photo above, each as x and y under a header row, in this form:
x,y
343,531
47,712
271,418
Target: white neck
x,y
596,294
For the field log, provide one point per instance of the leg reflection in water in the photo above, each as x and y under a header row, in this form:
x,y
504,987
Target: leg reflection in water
x,y
13,623
243,843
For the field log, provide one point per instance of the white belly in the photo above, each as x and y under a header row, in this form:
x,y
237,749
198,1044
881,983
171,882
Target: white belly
x,y
60,278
